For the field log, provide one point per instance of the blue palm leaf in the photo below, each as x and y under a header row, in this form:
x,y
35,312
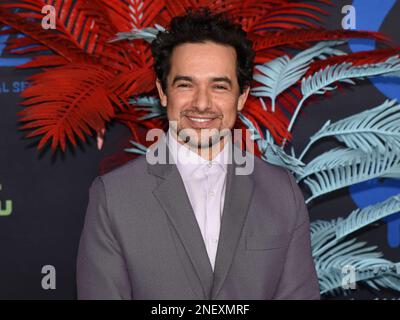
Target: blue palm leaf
x,y
151,105
372,165
321,233
272,153
325,235
331,254
366,130
333,158
337,255
360,218
148,34
389,280
138,148
320,81
375,273
283,72
367,264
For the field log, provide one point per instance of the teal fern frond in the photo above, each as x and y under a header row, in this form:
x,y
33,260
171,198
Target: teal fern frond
x,y
147,34
372,165
367,265
137,148
151,105
319,82
343,253
283,72
390,280
322,233
326,234
331,254
366,130
318,227
275,155
377,273
270,152
333,158
360,218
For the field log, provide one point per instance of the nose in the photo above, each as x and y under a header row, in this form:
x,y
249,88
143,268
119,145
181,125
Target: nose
x,y
201,100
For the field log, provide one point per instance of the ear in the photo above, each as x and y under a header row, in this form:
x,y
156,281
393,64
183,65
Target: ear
x,y
242,98
161,93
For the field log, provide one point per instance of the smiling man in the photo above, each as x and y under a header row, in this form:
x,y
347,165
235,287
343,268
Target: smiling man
x,y
192,228
202,93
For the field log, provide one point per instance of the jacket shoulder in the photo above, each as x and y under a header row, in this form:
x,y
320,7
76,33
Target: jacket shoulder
x,y
134,167
265,169
129,177
279,181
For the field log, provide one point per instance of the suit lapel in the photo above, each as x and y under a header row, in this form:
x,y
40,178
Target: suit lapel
x,y
239,190
172,196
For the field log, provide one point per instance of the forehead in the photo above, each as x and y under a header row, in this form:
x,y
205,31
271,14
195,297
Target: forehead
x,y
203,60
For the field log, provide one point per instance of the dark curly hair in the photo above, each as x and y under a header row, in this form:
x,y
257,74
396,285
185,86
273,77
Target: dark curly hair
x,y
198,26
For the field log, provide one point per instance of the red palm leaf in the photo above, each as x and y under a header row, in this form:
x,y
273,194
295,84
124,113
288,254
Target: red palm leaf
x,y
129,14
287,38
276,122
58,116
358,58
82,23
58,44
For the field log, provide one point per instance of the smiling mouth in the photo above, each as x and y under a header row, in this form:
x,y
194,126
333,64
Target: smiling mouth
x,y
201,119
202,122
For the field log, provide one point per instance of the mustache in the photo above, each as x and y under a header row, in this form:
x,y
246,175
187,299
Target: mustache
x,y
192,113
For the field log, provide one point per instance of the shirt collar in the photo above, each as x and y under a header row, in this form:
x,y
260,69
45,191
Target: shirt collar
x,y
188,161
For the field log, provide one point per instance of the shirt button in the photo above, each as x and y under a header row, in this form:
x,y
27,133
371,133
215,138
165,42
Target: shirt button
x,y
211,193
215,240
209,164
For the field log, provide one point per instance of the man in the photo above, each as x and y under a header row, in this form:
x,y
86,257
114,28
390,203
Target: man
x,y
193,228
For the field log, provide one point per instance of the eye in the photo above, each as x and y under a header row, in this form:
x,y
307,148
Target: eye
x,y
220,87
183,85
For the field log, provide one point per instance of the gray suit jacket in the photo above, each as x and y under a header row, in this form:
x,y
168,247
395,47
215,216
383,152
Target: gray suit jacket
x,y
141,239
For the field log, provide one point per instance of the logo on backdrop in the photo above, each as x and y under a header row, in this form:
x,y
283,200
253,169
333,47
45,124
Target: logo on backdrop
x,y
10,85
5,206
370,15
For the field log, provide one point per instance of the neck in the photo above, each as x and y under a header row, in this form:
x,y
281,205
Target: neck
x,y
210,153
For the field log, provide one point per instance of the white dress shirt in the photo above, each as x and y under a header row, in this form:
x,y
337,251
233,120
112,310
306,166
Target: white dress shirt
x,y
205,183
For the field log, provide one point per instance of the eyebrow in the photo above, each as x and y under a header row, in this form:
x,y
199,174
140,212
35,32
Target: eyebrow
x,y
190,79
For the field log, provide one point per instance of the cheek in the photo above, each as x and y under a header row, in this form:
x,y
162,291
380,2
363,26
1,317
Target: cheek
x,y
229,120
230,112
175,106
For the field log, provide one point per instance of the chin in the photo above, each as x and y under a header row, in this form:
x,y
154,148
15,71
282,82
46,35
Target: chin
x,y
196,142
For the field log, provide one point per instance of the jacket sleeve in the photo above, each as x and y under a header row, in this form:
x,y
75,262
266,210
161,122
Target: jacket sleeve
x,y
299,279
101,269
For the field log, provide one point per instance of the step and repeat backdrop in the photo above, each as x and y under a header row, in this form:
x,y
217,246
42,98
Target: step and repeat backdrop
x,y
43,196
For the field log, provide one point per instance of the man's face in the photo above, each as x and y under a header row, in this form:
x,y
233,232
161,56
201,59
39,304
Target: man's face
x,y
202,91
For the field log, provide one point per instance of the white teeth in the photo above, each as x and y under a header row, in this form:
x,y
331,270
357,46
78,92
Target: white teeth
x,y
200,120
